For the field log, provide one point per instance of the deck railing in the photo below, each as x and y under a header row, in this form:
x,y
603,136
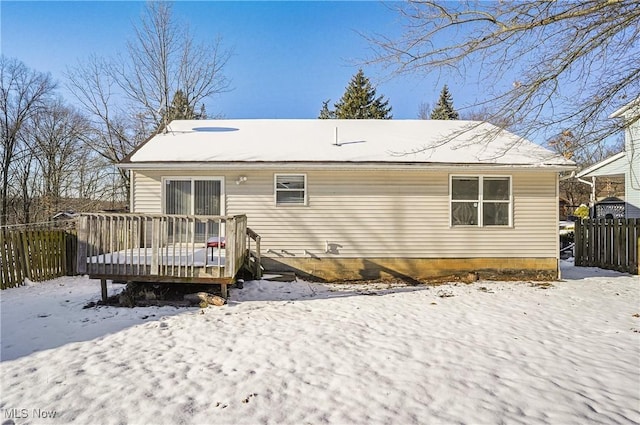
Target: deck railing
x,y
161,245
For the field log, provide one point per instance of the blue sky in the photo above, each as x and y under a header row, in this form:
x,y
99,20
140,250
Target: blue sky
x,y
287,56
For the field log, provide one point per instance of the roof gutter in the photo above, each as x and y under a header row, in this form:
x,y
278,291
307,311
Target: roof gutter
x,y
334,166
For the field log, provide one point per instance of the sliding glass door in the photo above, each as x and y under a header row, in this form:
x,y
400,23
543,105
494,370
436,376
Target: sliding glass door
x,y
193,196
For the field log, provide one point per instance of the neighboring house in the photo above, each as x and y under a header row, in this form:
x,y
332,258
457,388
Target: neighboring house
x,y
624,164
64,215
364,199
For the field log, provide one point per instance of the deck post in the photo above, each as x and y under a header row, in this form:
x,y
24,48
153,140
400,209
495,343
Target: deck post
x,y
155,245
224,292
231,247
81,251
103,286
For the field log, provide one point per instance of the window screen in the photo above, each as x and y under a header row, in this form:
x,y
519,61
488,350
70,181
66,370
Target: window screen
x,y
290,189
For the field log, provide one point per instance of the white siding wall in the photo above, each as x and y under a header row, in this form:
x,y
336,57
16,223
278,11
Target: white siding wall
x,y
632,174
147,193
379,214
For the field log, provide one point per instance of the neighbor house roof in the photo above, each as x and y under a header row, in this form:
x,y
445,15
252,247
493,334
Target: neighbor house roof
x,y
622,162
339,141
631,108
614,165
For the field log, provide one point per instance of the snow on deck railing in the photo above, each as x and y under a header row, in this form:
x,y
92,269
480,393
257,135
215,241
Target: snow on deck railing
x,y
130,245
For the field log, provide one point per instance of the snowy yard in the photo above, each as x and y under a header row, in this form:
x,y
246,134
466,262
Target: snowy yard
x,y
301,353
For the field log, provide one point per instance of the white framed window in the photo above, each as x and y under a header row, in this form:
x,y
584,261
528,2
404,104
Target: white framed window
x,y
483,201
290,189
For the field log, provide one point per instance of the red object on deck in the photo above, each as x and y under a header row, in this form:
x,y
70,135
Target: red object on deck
x,y
215,242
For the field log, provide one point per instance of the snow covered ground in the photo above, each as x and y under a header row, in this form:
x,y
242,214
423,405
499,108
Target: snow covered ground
x,y
302,353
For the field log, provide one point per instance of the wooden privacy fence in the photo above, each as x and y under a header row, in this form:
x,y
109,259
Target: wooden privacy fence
x,y
608,243
35,252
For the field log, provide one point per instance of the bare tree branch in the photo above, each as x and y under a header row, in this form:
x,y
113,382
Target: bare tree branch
x,y
22,94
128,98
164,59
563,65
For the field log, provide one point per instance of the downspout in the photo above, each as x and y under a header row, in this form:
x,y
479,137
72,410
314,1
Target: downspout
x,y
592,183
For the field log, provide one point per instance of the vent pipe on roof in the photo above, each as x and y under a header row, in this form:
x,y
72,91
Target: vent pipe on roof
x,y
336,137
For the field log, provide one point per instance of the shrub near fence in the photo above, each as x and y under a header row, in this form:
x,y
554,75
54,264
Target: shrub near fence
x,y
35,253
608,243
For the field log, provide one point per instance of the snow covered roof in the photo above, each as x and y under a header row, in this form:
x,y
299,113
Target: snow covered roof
x,y
630,109
340,141
63,215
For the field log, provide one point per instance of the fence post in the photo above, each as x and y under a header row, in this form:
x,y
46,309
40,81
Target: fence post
x,y
71,250
4,259
576,242
618,249
81,250
593,240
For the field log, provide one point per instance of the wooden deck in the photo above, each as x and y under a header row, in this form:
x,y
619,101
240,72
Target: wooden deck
x,y
165,248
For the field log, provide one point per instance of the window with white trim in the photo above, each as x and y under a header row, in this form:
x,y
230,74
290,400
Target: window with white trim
x,y
291,189
480,200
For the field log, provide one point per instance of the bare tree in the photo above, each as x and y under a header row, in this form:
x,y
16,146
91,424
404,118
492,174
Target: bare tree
x,y
112,133
561,64
55,138
23,190
92,173
22,94
424,111
164,59
128,97
484,114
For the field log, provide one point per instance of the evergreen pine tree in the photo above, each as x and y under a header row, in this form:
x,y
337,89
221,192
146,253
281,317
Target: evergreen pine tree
x,y
325,112
444,108
180,109
359,101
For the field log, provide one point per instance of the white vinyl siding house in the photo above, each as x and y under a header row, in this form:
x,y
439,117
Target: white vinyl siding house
x,y
397,216
625,163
